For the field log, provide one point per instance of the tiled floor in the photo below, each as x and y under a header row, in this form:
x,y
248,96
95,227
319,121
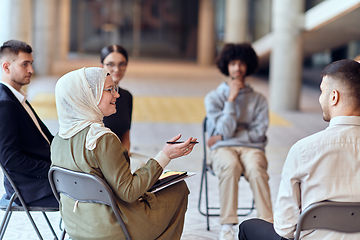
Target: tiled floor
x,y
175,84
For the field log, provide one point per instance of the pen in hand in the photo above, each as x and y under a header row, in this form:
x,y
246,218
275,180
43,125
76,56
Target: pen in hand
x,y
181,142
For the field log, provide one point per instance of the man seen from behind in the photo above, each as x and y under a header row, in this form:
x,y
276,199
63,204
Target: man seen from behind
x,y
322,167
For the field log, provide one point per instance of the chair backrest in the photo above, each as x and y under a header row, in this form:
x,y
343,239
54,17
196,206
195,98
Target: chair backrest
x,y
206,165
84,187
204,136
336,216
16,191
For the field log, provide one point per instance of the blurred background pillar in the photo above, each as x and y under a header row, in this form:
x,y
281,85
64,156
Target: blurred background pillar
x,y
136,28
236,21
262,19
287,54
206,33
63,30
44,35
16,20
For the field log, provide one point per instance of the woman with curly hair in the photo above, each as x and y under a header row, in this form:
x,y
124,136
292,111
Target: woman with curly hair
x,y
237,120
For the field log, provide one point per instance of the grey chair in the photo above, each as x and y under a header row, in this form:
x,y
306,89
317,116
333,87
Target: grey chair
x,y
206,169
10,206
336,216
84,187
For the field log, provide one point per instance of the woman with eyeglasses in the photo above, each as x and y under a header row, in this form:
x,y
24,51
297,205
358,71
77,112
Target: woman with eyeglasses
x,y
114,59
84,144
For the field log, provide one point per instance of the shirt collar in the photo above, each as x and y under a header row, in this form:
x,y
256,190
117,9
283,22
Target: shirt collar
x,y
21,96
344,120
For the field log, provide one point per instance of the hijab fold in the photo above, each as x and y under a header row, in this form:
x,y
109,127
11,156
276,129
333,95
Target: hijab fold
x,y
77,96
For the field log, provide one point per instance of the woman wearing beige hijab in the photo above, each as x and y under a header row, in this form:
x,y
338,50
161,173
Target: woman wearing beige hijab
x,y
83,98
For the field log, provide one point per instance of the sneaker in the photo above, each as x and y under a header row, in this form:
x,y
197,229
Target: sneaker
x,y
228,234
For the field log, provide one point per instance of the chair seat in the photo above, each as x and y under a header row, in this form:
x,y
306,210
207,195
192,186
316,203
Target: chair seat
x,y
4,202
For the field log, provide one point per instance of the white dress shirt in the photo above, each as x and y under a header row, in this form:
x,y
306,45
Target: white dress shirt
x,y
21,96
323,166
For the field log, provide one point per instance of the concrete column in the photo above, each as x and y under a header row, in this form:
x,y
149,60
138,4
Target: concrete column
x,y
286,56
44,35
262,18
16,20
136,28
206,31
63,31
236,21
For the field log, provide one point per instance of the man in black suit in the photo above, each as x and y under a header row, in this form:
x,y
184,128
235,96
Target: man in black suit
x,y
24,138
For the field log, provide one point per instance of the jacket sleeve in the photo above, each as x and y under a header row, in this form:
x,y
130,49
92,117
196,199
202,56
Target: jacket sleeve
x,y
288,204
113,161
11,155
221,116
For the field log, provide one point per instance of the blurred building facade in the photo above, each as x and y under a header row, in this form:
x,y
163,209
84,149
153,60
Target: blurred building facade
x,y
288,35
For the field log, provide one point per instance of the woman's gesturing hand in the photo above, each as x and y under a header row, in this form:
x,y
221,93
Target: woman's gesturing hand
x,y
180,149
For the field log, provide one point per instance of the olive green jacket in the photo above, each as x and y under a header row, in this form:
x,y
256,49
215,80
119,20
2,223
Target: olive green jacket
x,y
110,161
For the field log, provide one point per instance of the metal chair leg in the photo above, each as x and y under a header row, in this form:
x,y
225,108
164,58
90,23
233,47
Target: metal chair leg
x,y
10,207
207,202
50,226
33,224
7,216
4,224
63,234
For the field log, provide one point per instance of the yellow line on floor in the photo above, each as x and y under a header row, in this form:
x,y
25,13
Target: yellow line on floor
x,y
276,120
150,109
168,109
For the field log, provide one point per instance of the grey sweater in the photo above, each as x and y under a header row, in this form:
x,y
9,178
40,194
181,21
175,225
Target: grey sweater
x,y
241,123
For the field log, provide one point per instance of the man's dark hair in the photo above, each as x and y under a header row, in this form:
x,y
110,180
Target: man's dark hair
x,y
243,52
347,73
113,48
14,47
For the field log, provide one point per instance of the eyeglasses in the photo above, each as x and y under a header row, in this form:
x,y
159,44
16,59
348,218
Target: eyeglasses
x,y
113,90
121,65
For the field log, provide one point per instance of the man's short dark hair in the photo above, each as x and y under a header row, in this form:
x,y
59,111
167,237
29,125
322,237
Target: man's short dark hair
x,y
243,52
14,47
347,73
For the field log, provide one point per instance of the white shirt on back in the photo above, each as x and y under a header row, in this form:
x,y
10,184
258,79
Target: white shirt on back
x,y
323,166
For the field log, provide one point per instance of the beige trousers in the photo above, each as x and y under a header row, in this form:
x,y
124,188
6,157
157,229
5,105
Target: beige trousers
x,y
228,164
